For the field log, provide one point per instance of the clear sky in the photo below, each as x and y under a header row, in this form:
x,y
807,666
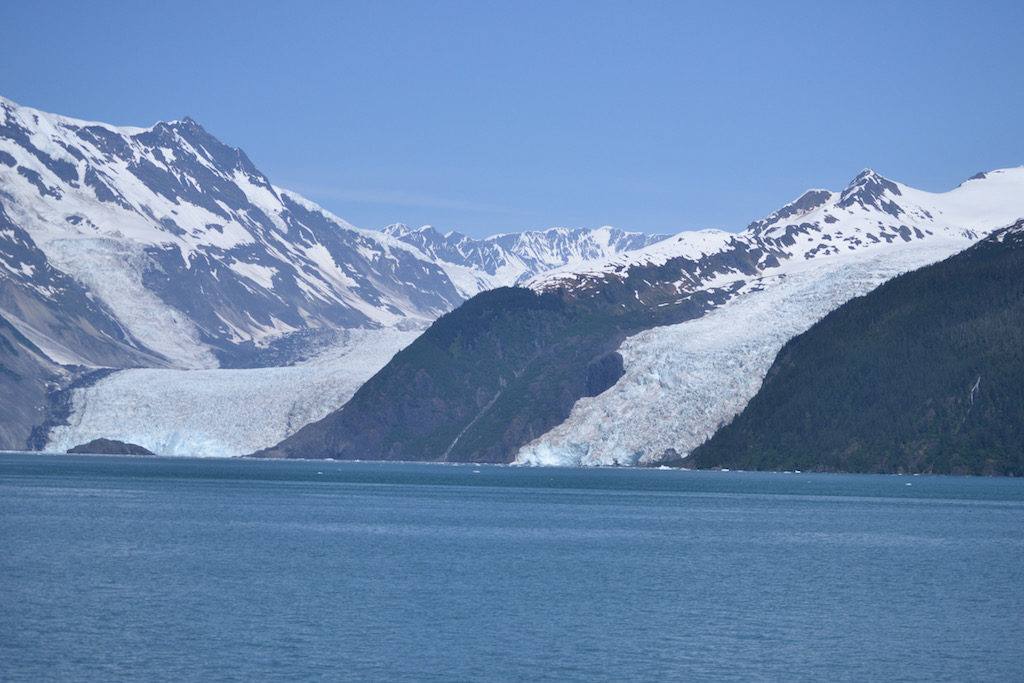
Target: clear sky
x,y
489,117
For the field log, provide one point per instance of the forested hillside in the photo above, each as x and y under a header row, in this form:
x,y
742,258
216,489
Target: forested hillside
x,y
500,370
924,374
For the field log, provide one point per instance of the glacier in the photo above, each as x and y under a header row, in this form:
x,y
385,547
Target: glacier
x,y
187,263
224,412
683,382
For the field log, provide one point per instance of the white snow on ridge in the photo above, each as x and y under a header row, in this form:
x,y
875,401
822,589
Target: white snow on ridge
x,y
682,382
113,270
974,207
994,199
222,413
689,244
512,258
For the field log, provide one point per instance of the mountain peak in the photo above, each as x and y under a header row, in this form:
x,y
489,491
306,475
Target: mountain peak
x,y
870,189
805,203
397,230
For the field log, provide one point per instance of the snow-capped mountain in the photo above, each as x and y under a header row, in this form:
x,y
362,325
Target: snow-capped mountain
x,y
508,259
638,358
163,248
872,210
192,252
188,247
682,382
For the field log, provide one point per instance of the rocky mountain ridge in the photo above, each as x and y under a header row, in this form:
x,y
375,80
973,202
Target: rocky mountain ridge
x,y
925,374
162,247
814,253
683,382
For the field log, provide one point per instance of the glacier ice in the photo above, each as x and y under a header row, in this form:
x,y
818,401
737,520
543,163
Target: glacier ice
x,y
222,413
682,382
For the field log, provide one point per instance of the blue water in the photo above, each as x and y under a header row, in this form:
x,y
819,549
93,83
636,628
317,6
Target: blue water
x,y
182,569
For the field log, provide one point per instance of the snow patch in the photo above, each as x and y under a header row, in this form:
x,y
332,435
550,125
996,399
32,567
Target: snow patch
x,y
113,271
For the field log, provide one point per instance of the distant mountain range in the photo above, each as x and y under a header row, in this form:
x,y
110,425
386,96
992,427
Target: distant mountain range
x,y
157,289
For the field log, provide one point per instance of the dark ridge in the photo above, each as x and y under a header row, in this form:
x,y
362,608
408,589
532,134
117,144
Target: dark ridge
x,y
59,403
496,373
812,199
923,375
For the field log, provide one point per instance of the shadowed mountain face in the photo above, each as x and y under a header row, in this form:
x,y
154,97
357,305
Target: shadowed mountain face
x,y
503,370
500,370
26,377
924,374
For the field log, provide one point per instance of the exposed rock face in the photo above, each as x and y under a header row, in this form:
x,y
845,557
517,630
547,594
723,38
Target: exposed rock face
x,y
603,373
26,376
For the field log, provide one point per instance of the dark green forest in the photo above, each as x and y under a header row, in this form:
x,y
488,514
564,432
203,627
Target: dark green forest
x,y
497,372
923,375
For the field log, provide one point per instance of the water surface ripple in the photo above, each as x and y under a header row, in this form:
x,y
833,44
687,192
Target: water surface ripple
x,y
172,569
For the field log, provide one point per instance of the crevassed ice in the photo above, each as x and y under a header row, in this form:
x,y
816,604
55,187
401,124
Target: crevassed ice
x,y
222,413
682,382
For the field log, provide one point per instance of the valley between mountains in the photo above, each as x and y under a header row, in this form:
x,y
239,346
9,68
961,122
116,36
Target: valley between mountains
x,y
157,289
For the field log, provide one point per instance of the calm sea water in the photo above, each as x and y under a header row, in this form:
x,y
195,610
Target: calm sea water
x,y
182,569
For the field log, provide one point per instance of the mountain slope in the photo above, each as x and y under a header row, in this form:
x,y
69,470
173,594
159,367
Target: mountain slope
x,y
26,377
682,382
924,374
197,255
503,368
190,248
56,311
831,246
161,251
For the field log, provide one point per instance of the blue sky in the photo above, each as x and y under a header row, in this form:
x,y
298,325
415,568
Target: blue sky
x,y
489,117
